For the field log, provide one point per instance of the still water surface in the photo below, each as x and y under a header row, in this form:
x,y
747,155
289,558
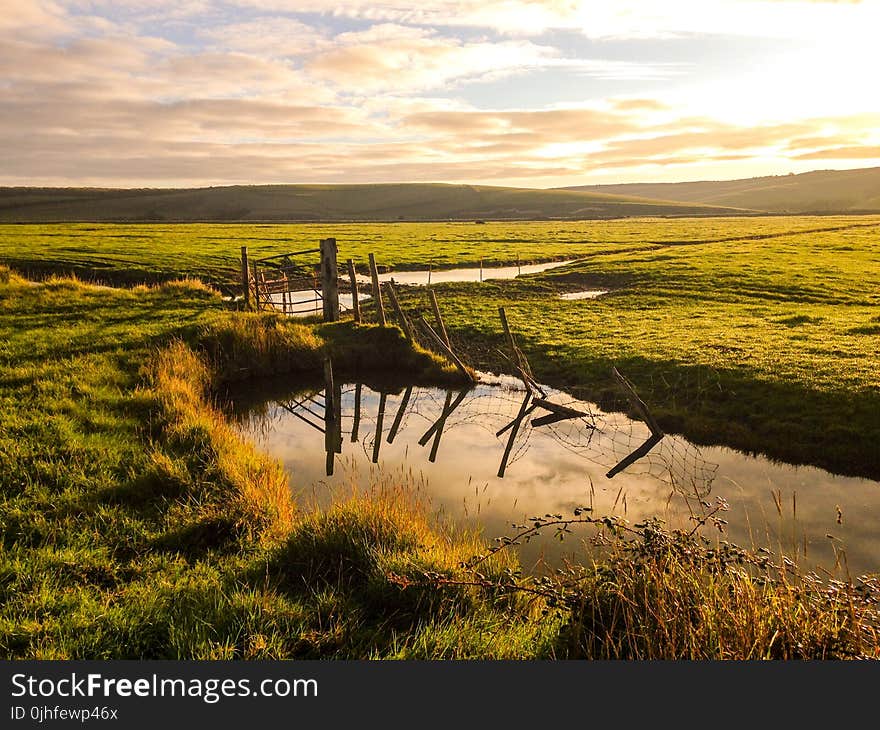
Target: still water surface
x,y
453,446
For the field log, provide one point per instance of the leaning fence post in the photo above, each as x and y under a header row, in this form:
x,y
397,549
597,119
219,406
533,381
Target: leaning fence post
x,y
329,280
446,350
245,278
398,310
441,326
377,291
355,302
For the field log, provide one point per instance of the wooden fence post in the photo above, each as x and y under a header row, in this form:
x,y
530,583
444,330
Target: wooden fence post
x,y
377,291
355,302
256,283
329,280
398,310
507,333
245,278
436,307
446,350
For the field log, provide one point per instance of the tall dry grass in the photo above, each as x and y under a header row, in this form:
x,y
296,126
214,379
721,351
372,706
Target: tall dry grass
x,y
245,485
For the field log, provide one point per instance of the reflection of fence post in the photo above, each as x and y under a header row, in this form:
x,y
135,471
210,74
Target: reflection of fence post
x,y
355,302
329,280
380,416
357,413
377,291
332,417
245,278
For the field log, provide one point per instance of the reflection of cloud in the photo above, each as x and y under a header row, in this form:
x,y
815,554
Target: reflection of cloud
x,y
548,478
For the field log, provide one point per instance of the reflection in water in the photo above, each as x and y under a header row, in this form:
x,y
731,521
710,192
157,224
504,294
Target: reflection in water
x,y
492,455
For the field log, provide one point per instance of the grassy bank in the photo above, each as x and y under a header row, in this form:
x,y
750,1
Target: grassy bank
x,y
137,523
134,519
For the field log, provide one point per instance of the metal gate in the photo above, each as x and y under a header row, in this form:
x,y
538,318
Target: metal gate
x,y
294,283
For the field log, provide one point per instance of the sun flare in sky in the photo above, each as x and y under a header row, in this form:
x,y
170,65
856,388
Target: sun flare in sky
x,y
538,93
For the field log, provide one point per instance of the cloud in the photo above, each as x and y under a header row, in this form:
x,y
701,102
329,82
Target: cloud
x,y
35,19
136,91
273,36
856,152
401,58
804,19
397,58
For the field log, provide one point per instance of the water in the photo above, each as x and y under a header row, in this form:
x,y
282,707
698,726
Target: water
x,y
474,476
588,294
308,302
475,273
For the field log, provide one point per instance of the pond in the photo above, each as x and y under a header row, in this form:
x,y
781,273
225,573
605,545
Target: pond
x,y
489,456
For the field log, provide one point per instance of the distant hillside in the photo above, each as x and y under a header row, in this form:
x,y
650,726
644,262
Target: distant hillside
x,y
410,202
822,191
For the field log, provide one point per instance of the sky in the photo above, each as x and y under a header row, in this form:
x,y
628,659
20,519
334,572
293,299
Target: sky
x,y
532,93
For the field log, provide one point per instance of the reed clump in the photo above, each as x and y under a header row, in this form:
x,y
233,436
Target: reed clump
x,y
657,594
675,597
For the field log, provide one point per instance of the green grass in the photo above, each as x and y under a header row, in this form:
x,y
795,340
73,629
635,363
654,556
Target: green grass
x,y
136,522
152,253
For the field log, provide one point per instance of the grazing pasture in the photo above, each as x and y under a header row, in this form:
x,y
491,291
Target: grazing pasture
x,y
137,522
124,254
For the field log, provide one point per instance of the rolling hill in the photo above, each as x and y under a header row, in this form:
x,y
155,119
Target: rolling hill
x,y
821,191
412,202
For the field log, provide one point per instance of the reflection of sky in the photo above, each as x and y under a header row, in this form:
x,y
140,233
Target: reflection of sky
x,y
555,469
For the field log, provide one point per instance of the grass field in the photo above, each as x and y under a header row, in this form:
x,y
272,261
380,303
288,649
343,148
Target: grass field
x,y
136,523
152,253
